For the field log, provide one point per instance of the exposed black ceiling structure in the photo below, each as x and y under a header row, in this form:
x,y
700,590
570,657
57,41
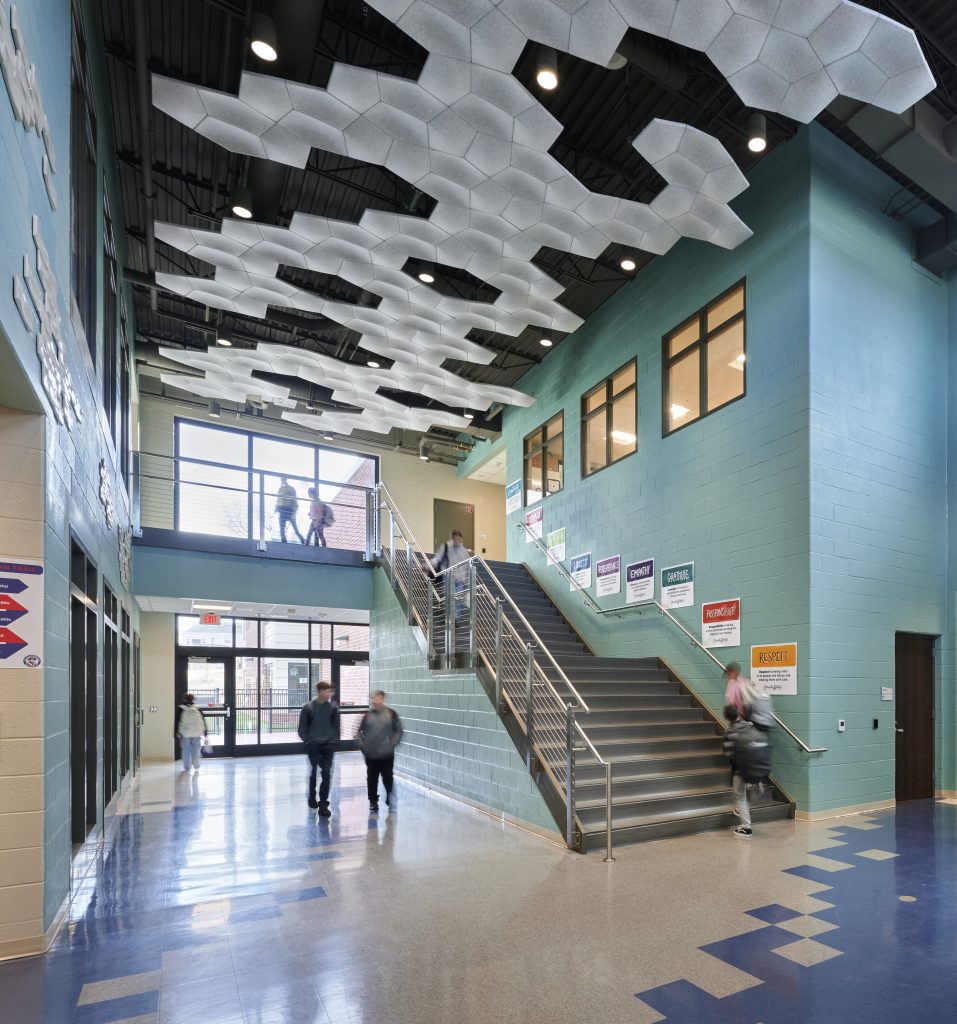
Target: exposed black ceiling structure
x,y
204,42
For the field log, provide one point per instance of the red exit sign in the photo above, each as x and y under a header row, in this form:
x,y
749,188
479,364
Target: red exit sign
x,y
210,619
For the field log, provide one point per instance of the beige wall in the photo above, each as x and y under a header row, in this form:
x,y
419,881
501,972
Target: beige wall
x,y
156,652
22,454
413,483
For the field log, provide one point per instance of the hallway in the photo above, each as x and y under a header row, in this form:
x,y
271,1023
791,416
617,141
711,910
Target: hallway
x,y
222,900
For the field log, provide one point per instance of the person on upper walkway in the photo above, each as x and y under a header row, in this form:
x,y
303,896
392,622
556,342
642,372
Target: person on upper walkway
x,y
287,504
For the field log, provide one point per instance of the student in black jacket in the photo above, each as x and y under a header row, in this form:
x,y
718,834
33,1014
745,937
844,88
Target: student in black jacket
x,y
319,730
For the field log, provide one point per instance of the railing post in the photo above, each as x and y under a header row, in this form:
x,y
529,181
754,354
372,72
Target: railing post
x,y
570,775
372,509
529,700
392,549
609,859
473,638
449,619
408,563
499,615
430,597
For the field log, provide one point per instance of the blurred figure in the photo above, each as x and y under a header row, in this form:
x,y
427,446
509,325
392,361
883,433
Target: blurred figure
x,y
191,732
320,516
751,703
379,734
749,754
319,730
287,504
451,556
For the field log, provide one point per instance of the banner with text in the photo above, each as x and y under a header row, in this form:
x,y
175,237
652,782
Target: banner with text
x,y
513,497
608,576
533,525
721,623
580,569
556,546
21,612
640,581
774,668
677,586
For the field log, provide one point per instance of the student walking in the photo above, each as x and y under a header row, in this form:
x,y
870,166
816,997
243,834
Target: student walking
x,y
379,734
319,730
749,754
320,516
451,556
191,732
287,504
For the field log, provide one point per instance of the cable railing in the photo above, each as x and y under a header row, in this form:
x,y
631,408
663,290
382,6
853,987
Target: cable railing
x,y
460,617
638,606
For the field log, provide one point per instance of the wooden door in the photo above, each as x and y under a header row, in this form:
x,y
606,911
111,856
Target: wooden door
x,y
914,698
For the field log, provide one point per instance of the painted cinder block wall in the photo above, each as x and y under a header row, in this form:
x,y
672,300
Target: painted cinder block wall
x,y
730,491
453,740
878,441
63,471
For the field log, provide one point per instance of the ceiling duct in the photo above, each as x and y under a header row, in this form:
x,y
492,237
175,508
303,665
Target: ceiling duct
x,y
663,65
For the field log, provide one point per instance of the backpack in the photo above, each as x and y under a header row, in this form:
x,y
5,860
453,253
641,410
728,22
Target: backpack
x,y
750,751
442,559
328,516
760,711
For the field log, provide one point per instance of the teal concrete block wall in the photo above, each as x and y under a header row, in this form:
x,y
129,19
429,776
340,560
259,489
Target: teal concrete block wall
x,y
947,693
453,738
878,439
730,491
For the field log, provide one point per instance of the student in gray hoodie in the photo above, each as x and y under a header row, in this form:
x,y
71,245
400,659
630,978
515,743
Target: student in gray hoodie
x,y
319,730
378,736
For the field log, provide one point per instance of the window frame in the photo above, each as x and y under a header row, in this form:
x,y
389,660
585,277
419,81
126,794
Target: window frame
x,y
607,408
110,361
701,347
543,450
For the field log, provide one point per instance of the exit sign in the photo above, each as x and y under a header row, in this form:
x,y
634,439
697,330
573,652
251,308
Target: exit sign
x,y
210,619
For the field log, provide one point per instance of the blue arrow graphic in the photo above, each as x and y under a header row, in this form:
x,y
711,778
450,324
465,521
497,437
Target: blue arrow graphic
x,y
9,586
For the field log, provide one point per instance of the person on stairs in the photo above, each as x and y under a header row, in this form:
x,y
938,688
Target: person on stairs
x,y
191,732
319,730
379,734
450,556
749,754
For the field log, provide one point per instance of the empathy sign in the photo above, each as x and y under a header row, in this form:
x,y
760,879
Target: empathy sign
x,y
640,581
721,623
21,613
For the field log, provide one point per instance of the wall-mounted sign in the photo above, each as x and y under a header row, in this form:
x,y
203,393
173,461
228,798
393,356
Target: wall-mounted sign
x,y
21,612
774,668
556,546
887,693
580,569
721,623
533,525
608,576
513,496
106,496
210,619
640,581
677,586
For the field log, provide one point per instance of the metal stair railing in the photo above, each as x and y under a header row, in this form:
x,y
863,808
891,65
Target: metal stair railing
x,y
439,602
638,606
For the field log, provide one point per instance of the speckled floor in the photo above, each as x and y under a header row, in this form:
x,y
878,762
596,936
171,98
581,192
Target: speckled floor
x,y
224,900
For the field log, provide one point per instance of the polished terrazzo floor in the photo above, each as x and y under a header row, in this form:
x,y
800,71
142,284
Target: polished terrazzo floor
x,y
222,900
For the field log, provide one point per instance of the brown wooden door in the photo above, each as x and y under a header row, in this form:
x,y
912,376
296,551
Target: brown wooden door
x,y
914,698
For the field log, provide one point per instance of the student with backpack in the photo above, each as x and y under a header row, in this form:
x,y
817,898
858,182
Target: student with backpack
x,y
320,516
748,750
450,559
191,731
379,734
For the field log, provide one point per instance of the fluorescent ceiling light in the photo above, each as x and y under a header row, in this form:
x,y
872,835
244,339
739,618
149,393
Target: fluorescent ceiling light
x,y
209,606
677,411
623,437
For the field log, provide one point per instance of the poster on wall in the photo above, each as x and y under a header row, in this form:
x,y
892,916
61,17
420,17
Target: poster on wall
x,y
774,668
580,568
556,546
533,525
640,581
513,497
677,586
608,576
21,612
721,623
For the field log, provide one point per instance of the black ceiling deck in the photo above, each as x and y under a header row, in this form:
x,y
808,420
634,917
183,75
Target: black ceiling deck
x,y
202,41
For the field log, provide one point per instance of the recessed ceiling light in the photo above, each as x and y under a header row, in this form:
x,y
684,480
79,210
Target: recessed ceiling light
x,y
372,364
545,342
262,38
628,264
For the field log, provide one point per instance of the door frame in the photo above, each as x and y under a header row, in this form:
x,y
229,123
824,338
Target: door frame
x,y
228,746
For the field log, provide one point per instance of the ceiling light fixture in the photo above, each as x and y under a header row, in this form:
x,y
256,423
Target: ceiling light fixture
x,y
677,411
372,364
423,451
546,70
738,362
623,437
224,335
545,342
242,203
328,437
262,38
214,410
757,133
209,606
628,264
467,415
426,276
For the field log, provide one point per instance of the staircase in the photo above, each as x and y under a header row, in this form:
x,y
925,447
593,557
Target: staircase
x,y
669,773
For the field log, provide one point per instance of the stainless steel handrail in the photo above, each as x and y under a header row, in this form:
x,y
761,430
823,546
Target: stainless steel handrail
x,y
597,608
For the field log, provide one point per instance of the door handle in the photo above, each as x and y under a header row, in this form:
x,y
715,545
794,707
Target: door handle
x,y
141,716
898,730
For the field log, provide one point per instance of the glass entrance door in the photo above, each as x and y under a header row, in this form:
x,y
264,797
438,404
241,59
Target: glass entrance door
x,y
350,677
212,681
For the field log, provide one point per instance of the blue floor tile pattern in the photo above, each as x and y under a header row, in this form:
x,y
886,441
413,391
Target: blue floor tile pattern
x,y
896,958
